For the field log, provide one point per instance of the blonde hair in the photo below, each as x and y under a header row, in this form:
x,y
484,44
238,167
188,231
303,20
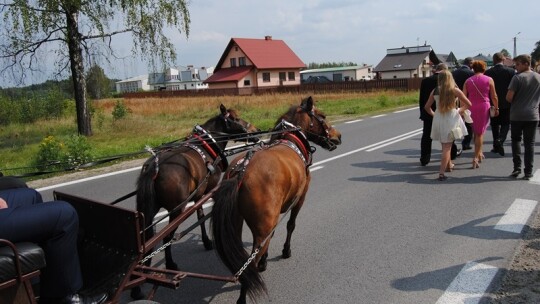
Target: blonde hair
x,y
447,98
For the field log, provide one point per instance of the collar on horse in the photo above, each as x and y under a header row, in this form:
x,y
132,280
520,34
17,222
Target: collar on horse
x,y
294,138
209,144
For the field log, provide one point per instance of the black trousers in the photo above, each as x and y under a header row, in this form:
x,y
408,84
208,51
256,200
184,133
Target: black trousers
x,y
426,142
466,142
500,126
527,130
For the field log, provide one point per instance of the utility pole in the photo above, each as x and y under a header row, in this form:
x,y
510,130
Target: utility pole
x,y
515,49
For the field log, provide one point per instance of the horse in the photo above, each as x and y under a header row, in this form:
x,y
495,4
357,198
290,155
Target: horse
x,y
187,171
262,184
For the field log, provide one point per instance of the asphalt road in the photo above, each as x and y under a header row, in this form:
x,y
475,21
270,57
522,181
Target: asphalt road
x,y
376,227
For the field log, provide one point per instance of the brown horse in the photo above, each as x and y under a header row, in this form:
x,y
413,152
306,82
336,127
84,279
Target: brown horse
x,y
261,185
185,172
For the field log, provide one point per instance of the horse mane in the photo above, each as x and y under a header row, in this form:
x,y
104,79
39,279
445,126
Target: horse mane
x,y
232,112
288,115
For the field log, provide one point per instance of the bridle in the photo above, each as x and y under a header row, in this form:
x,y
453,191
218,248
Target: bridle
x,y
322,122
229,122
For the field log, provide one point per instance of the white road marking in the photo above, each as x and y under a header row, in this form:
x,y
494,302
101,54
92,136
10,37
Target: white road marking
x,y
405,110
315,168
516,216
353,121
536,178
377,116
469,285
394,141
87,179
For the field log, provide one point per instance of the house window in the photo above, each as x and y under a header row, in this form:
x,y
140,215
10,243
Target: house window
x,y
241,61
282,76
247,83
266,77
291,76
233,62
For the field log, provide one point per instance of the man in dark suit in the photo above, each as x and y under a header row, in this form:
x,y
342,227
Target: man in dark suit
x,y
24,217
427,85
500,125
460,75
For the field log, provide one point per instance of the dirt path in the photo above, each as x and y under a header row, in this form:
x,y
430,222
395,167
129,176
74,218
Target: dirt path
x,y
521,284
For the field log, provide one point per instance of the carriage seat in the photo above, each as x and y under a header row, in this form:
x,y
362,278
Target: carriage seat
x,y
19,260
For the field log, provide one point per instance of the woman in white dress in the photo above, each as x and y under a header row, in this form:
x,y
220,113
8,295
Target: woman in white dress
x,y
446,117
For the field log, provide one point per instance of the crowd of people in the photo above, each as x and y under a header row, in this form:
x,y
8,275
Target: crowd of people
x,y
505,98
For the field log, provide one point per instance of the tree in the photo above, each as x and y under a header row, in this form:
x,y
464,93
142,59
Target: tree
x,y
536,52
78,29
98,84
505,53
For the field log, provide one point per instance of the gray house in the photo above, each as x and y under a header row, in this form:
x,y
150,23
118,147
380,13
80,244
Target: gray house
x,y
407,62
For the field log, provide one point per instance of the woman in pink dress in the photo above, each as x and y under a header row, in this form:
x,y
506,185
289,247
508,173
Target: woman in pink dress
x,y
479,88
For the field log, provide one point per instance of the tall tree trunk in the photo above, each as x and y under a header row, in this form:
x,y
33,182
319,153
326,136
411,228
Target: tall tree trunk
x,y
77,72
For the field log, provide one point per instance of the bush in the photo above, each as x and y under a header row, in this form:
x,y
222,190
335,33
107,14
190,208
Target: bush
x,y
55,154
49,155
120,110
78,151
6,111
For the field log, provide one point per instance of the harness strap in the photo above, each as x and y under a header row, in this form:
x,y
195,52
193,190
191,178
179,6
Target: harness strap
x,y
292,141
206,146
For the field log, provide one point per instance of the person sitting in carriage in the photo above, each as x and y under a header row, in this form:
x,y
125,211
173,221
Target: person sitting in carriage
x,y
54,226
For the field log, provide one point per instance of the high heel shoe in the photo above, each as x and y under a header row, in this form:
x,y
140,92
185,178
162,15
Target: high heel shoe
x,y
442,177
450,168
481,157
475,163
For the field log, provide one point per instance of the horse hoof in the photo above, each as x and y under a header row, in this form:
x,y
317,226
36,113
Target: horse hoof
x,y
171,266
286,254
208,246
136,293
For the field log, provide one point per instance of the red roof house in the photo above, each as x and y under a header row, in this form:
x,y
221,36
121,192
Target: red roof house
x,y
256,63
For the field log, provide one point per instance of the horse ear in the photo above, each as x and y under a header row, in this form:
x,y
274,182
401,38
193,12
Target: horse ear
x,y
222,109
307,104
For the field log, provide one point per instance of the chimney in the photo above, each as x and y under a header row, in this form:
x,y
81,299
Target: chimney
x,y
267,37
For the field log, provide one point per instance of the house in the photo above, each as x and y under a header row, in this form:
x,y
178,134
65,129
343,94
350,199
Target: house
x,y
487,59
449,59
184,78
348,73
407,62
256,63
134,84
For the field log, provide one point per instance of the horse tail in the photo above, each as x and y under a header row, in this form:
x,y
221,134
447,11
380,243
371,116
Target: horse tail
x,y
228,239
146,194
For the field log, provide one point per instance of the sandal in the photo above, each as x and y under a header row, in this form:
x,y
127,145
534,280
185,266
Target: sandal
x,y
442,177
475,163
450,168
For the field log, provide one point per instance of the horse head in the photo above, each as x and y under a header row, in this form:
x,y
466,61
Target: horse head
x,y
313,123
229,122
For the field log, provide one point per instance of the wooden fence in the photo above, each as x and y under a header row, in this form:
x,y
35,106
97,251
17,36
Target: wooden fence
x,y
348,86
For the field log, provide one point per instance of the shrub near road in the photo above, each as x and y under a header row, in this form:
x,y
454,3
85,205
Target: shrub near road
x,y
153,121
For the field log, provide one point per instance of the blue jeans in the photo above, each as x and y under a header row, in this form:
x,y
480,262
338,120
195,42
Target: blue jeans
x,y
527,129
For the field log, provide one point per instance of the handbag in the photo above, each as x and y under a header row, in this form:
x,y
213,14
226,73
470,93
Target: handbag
x,y
456,133
492,111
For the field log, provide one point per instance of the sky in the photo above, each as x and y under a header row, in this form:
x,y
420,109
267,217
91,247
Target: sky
x,y
357,31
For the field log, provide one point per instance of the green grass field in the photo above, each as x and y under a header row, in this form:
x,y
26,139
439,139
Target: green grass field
x,y
153,121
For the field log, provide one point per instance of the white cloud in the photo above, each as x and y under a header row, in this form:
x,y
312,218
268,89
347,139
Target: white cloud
x,y
347,30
